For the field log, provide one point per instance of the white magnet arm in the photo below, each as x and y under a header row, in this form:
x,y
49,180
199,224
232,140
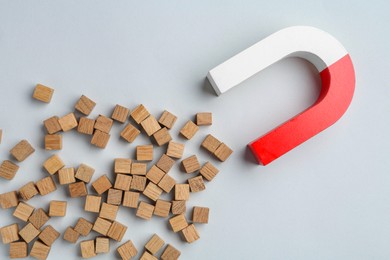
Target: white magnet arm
x,y
312,44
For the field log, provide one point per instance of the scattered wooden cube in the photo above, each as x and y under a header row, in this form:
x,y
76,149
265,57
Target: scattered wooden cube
x,y
28,191
145,210
51,124
167,119
66,176
223,152
127,250
86,126
204,118
155,174
130,199
154,244
23,211
102,184
147,256
8,170
57,208
120,113
85,105
114,196
10,233
84,173
196,184
208,171
191,164
83,227
78,189
40,251
49,235
117,231
53,142
29,232
102,226
22,150
144,152
71,235
43,93
152,191
9,200
200,215
189,129
138,183
102,245
162,136
139,114
175,150
46,186
87,248
178,207
165,163
150,125
182,192
108,211
100,139
178,222
190,233
129,133
38,218
18,250
170,253
210,143
103,124
167,183
138,168
92,203
123,182
68,122
162,208
122,165
53,164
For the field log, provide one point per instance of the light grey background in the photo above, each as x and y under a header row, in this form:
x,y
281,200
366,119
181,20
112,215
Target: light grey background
x,y
327,199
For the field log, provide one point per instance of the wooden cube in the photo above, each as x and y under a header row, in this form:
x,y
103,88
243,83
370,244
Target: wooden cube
x,y
138,183
117,231
38,218
167,119
204,118
114,197
170,253
49,235
122,165
208,171
162,208
86,126
150,125
53,164
182,192
178,207
57,208
43,93
29,232
167,183
127,250
92,203
145,210
8,170
129,133
148,256
22,150
154,244
139,114
71,235
9,233
108,211
175,150
28,191
66,176
155,174
162,136
9,200
102,226
190,233
102,245
223,152
103,124
84,173
189,129
210,143
165,163
102,184
18,250
87,248
83,227
85,105
191,164
23,211
120,113
152,191
100,139
40,251
196,184
178,223
78,189
130,199
200,215
123,182
138,168
46,186
144,152
68,122
53,142
51,124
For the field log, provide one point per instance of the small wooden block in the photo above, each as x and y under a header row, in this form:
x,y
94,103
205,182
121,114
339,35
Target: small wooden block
x,y
9,233
40,251
139,114
130,199
102,245
39,218
147,256
102,184
127,250
22,150
191,164
162,208
138,168
103,124
83,227
84,173
120,113
182,192
49,235
170,253
29,232
223,152
145,210
204,118
152,191
144,152
167,183
87,248
114,196
53,142
78,189
66,176
175,150
8,170
196,184
9,200
43,93
200,215
122,165
1,135
68,122
155,174
178,207
102,226
150,125
189,129
57,208
138,183
210,143
129,133
154,244
51,124
86,126
208,171
117,231
85,105
162,136
46,186
71,235
190,233
100,139
167,119
28,191
18,250
178,222
165,163
53,164
123,182
92,203
23,211
108,211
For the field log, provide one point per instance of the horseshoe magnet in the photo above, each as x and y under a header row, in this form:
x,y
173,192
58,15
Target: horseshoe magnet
x,y
337,78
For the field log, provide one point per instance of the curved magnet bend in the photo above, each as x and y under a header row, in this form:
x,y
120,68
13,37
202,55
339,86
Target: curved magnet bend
x,y
336,72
